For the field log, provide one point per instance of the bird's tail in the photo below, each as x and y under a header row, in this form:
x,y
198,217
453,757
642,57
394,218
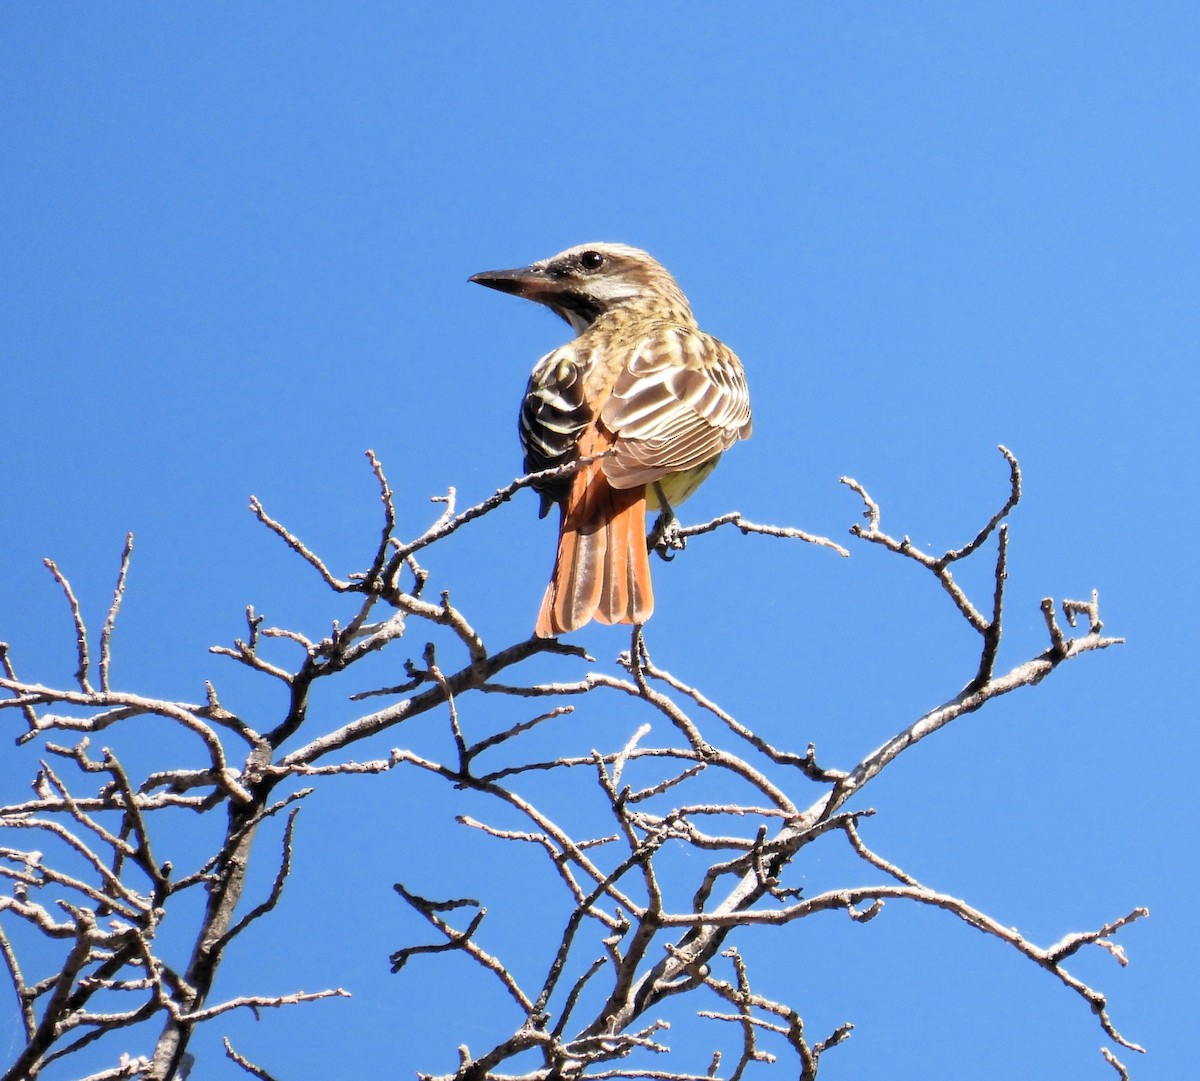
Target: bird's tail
x,y
602,569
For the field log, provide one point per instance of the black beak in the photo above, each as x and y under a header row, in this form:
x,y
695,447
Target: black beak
x,y
525,282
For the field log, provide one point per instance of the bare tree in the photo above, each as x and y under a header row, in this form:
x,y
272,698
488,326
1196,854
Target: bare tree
x,y
83,867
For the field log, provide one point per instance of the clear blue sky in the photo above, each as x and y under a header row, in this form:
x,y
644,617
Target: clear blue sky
x,y
234,244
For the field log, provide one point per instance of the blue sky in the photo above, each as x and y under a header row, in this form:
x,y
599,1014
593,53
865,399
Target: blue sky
x,y
234,244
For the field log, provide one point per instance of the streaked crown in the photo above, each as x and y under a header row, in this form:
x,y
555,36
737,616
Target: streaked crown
x,y
588,281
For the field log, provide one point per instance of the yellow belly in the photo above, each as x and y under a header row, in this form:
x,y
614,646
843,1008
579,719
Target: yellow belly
x,y
676,487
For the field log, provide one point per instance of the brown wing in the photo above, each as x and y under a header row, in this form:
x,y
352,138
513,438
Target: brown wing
x,y
553,414
680,400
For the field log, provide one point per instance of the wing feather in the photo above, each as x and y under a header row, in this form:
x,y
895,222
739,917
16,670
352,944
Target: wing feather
x,y
680,400
554,412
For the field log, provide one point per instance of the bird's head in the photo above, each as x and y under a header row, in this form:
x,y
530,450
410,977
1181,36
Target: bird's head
x,y
583,283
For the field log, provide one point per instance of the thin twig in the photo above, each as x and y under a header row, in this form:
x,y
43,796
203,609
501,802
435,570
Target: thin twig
x,y
734,518
81,642
299,547
110,621
245,1063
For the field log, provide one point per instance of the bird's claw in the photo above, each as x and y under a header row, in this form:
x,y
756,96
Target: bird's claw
x,y
667,538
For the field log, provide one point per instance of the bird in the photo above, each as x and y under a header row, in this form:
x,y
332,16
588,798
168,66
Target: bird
x,y
643,396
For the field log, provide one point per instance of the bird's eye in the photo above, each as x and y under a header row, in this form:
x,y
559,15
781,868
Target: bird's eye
x,y
591,260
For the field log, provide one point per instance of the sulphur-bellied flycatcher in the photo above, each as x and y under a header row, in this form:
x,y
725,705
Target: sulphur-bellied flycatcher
x,y
645,390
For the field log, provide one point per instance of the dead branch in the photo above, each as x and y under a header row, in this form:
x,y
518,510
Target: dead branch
x,y
641,929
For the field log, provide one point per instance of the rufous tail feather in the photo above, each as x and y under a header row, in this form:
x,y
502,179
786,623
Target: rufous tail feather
x,y
602,568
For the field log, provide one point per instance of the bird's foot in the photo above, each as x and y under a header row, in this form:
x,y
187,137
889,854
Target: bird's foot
x,y
666,538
